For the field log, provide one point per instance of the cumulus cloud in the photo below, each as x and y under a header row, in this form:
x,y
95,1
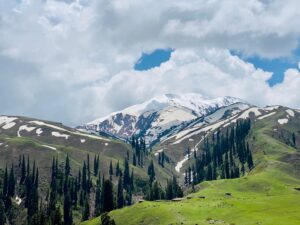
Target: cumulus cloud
x,y
72,60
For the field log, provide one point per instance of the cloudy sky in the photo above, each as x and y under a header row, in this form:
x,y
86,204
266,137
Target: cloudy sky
x,y
76,60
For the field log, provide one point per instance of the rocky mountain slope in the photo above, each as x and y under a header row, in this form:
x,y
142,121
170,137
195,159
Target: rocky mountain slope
x,y
160,117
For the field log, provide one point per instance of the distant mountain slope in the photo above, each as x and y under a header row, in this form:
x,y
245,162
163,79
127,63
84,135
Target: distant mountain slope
x,y
41,140
283,120
157,117
268,194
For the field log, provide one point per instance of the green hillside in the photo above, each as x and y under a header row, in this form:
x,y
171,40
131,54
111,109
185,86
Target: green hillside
x,y
267,195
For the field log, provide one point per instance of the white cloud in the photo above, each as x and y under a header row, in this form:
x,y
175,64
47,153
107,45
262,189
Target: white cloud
x,y
72,60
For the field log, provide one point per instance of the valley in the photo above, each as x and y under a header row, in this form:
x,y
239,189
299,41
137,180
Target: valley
x,y
263,193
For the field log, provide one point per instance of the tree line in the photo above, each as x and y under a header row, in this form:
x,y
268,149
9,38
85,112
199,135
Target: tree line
x,y
225,155
87,192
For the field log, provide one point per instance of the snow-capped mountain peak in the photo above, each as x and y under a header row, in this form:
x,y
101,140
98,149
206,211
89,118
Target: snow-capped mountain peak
x,y
157,116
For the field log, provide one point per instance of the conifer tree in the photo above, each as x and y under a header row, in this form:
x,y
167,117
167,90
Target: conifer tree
x,y
111,171
68,217
107,196
120,194
67,166
294,139
23,170
2,211
86,209
11,183
57,217
151,172
118,169
126,175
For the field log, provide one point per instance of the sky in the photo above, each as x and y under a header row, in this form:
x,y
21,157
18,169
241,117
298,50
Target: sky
x,y
76,60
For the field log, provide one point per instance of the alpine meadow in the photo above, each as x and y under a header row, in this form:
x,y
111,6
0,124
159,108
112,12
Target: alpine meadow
x,y
127,112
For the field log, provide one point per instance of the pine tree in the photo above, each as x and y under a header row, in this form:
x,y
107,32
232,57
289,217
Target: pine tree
x,y
120,195
11,183
86,210
126,175
84,178
88,182
2,211
107,196
57,217
294,139
156,191
118,169
5,182
23,170
96,165
67,166
97,210
151,172
68,218
169,191
111,171
134,160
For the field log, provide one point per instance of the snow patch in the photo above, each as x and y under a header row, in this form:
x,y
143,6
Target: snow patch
x,y
265,116
186,157
271,108
246,113
9,125
290,112
40,123
283,121
57,134
18,200
82,140
50,147
6,119
25,127
39,131
158,151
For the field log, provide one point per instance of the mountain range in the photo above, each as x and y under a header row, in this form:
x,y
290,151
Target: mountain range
x,y
179,126
162,116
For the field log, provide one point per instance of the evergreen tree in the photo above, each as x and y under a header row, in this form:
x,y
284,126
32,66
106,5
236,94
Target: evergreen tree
x,y
67,166
126,175
107,196
2,211
57,217
134,160
84,178
86,209
120,195
111,171
68,217
118,169
151,172
5,182
23,170
294,139
11,183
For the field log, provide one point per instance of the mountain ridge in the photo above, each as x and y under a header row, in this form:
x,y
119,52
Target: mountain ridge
x,y
158,116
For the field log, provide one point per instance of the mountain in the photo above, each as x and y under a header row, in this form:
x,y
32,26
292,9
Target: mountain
x,y
266,194
161,116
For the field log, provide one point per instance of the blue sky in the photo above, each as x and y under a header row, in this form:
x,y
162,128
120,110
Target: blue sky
x,y
153,59
277,66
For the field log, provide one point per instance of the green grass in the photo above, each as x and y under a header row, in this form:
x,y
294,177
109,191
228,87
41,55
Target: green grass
x,y
266,195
